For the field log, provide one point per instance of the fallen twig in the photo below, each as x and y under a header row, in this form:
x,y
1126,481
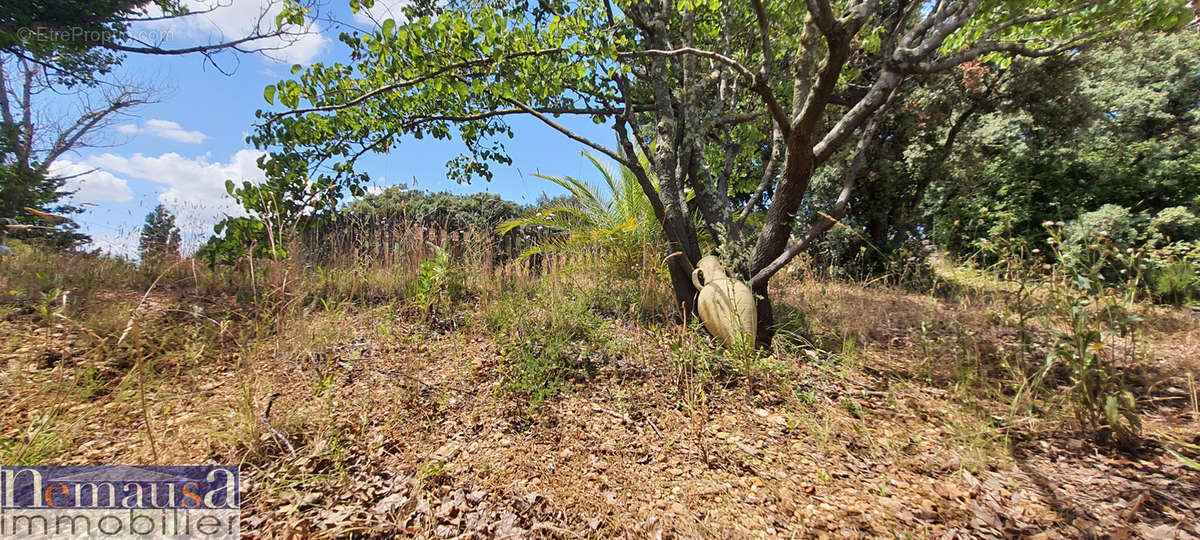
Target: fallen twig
x,y
619,416
656,430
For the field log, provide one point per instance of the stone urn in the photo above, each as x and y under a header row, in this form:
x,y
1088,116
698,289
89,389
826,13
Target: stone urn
x,y
726,305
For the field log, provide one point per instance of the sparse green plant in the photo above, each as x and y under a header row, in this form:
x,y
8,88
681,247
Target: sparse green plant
x,y
692,360
38,442
1095,331
1176,282
546,344
432,470
438,284
852,407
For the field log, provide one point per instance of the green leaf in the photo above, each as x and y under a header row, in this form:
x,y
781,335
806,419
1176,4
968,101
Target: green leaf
x,y
1111,411
1190,463
388,26
269,93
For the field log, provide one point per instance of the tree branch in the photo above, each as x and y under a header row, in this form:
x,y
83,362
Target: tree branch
x,y
761,84
886,84
838,211
410,82
737,66
823,16
981,49
570,134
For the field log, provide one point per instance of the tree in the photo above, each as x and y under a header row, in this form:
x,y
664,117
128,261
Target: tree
x,y
32,139
160,238
67,47
736,104
1123,129
481,211
79,41
921,149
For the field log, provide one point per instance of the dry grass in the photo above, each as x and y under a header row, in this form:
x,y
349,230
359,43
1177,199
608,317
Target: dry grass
x,y
879,413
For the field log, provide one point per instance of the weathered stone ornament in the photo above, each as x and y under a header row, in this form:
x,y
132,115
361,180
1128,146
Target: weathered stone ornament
x,y
726,305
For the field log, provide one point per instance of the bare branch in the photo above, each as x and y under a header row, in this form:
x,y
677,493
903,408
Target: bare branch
x,y
570,134
770,171
888,81
742,70
823,16
1051,49
737,118
761,84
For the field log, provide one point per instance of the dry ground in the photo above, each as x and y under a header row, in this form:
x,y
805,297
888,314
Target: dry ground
x,y
881,417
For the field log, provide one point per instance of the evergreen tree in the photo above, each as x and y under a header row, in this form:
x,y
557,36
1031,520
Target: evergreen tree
x,y
160,237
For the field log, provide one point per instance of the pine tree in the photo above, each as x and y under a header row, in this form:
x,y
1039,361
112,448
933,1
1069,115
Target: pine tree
x,y
160,237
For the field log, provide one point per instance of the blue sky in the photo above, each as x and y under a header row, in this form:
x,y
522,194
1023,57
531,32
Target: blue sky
x,y
180,150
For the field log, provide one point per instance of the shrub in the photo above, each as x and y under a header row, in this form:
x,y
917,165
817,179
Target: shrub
x,y
616,221
547,340
1082,310
438,284
1175,224
1114,223
1176,282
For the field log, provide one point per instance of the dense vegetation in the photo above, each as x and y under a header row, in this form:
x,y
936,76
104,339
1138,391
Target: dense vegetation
x,y
734,107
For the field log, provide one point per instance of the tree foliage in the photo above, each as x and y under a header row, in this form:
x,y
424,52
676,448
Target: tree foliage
x,y
1125,132
69,47
81,41
33,138
737,105
480,211
159,239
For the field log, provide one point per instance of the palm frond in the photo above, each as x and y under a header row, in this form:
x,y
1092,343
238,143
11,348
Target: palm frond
x,y
618,219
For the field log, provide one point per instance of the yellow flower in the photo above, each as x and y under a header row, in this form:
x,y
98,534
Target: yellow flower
x,y
1096,347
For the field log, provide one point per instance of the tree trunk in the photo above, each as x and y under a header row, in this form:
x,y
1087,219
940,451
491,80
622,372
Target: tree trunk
x,y
766,319
877,229
681,286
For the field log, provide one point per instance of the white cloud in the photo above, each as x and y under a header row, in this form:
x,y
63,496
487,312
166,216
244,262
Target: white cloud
x,y
381,11
89,184
237,19
165,129
194,187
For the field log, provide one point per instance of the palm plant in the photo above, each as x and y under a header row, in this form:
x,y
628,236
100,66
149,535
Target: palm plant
x,y
618,223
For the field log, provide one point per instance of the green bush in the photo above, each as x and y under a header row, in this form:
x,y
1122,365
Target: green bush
x,y
548,340
1175,224
1084,307
438,284
1176,282
1114,223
